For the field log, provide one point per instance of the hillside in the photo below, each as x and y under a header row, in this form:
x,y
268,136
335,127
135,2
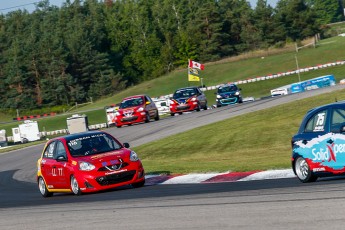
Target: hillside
x,y
260,64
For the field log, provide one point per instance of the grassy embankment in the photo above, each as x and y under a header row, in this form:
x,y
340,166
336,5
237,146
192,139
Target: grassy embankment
x,y
233,69
255,141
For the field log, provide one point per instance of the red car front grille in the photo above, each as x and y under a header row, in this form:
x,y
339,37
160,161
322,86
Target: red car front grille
x,y
182,107
116,178
127,119
113,167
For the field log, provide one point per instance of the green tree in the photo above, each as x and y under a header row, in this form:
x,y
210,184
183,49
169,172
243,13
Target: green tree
x,y
264,23
297,19
327,11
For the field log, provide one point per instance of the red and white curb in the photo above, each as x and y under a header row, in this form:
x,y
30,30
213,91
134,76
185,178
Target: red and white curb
x,y
218,177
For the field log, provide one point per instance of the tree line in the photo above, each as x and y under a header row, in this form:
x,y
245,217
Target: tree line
x,y
92,49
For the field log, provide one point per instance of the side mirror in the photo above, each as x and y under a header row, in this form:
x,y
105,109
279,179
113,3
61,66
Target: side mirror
x,y
342,129
61,158
126,145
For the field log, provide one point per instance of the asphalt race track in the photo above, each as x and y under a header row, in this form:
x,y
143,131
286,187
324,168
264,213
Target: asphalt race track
x,y
265,204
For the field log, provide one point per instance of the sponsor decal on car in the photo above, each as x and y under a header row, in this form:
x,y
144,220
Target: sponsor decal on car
x,y
104,155
326,150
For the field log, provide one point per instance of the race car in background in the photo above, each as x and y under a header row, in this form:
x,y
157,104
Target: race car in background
x,y
187,99
318,148
111,114
135,109
228,94
87,162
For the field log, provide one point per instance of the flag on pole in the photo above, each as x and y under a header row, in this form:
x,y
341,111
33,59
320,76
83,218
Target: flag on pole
x,y
192,77
195,72
196,65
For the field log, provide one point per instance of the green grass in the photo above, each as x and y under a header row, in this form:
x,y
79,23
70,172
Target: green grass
x,y
329,50
255,141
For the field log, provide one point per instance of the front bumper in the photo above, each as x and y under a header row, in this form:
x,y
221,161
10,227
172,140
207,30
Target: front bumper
x,y
135,118
229,100
184,107
97,181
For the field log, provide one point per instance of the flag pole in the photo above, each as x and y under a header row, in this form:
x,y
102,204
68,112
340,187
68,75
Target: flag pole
x,y
188,72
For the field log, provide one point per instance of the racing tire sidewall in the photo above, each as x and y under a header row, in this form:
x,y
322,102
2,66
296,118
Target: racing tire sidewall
x,y
75,186
43,188
303,172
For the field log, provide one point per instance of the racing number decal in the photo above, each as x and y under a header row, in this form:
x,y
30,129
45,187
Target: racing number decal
x,y
319,125
57,171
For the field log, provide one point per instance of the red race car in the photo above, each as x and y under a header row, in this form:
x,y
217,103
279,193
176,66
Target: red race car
x,y
87,162
136,109
187,99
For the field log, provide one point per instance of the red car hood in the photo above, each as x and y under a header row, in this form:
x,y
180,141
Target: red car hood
x,y
108,157
130,109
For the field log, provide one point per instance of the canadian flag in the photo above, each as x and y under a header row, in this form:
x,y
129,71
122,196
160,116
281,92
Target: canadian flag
x,y
194,64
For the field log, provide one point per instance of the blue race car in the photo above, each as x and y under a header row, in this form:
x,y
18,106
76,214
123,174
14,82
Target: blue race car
x,y
318,148
228,94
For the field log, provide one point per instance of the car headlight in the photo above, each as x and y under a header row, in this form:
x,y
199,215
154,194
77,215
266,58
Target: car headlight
x,y
86,166
237,93
134,156
140,109
117,114
193,99
219,97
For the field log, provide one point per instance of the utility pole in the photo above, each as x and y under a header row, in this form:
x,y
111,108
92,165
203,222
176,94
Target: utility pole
x,y
299,76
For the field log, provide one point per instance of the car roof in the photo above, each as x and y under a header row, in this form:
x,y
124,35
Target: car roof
x,y
326,106
78,135
134,96
227,84
190,87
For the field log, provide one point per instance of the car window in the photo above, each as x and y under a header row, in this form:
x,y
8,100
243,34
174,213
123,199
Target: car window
x,y
92,144
338,120
317,122
131,102
49,151
229,88
60,150
148,99
184,93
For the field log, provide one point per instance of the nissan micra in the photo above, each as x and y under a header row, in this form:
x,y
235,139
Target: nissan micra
x,y
318,148
87,162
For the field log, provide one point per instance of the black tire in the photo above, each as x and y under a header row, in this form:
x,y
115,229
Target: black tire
x,y
198,108
139,184
147,118
180,113
205,107
172,114
43,188
303,172
75,186
119,126
157,116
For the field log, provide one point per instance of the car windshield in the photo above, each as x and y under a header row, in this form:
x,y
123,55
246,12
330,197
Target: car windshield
x,y
184,93
226,89
92,144
131,102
